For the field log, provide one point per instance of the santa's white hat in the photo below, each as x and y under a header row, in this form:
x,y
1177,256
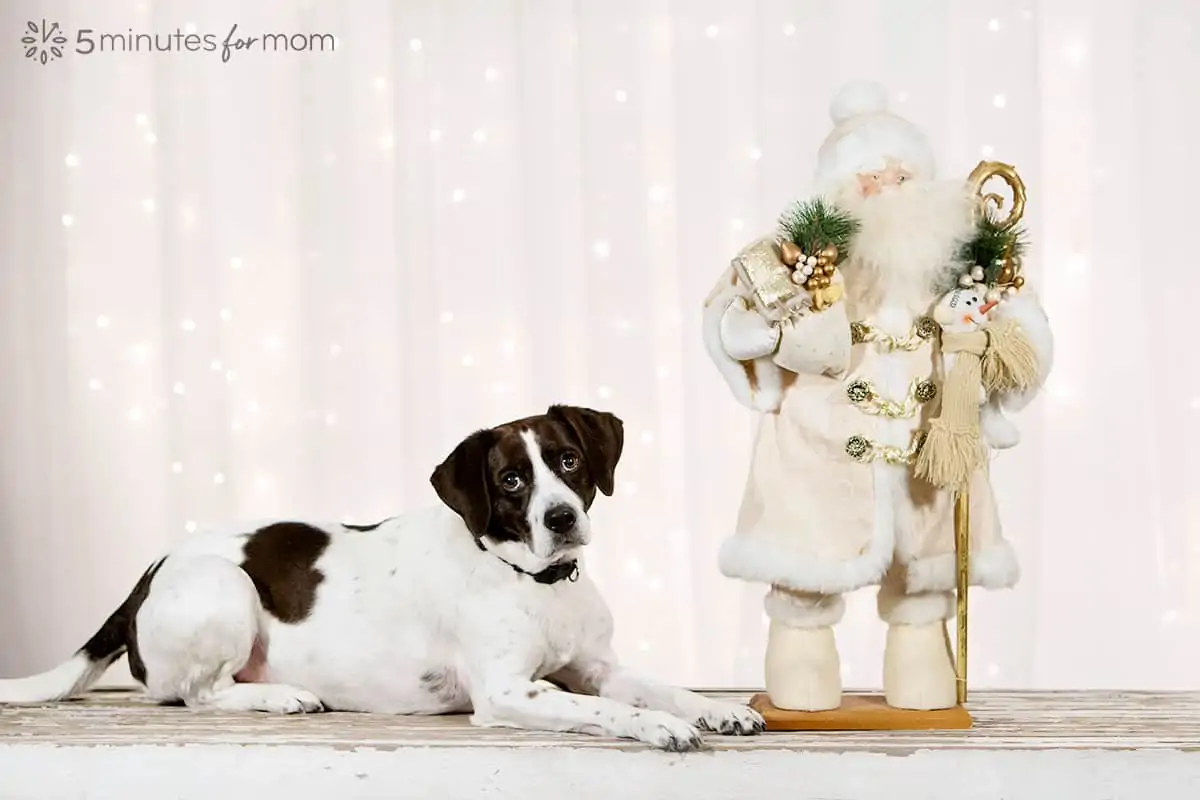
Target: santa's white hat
x,y
866,134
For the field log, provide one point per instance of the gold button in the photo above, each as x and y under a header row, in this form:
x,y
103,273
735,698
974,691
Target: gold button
x,y
858,332
927,328
857,448
926,391
858,391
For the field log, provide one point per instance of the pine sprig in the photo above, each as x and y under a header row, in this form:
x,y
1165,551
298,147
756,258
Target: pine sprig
x,y
813,225
992,246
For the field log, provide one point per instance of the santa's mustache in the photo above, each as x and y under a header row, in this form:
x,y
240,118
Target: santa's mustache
x,y
946,196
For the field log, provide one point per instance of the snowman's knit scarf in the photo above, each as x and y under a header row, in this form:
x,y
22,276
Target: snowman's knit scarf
x,y
998,358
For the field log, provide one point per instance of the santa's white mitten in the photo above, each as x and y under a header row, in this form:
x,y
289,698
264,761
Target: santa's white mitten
x,y
817,343
998,430
745,335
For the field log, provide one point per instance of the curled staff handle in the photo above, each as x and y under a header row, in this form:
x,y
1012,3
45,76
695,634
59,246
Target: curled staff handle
x,y
984,172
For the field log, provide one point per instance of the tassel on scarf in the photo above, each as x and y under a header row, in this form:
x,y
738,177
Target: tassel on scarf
x,y
953,448
998,358
1010,363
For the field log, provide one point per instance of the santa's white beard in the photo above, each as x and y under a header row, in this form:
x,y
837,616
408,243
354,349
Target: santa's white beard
x,y
909,239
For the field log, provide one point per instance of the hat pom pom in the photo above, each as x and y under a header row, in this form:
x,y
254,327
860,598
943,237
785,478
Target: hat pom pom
x,y
854,99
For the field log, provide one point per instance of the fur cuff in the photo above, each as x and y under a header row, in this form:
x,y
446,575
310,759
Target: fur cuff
x,y
993,568
760,558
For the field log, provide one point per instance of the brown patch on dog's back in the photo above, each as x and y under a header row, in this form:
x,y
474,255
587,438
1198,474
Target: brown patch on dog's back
x,y
281,560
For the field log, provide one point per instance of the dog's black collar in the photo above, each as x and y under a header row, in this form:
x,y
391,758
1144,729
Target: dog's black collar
x,y
567,570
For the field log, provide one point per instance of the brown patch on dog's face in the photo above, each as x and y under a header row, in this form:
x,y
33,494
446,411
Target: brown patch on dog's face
x,y
600,439
489,479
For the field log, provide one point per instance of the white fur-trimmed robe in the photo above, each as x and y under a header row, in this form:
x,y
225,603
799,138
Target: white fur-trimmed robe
x,y
813,519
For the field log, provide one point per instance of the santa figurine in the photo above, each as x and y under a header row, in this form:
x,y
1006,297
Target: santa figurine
x,y
841,494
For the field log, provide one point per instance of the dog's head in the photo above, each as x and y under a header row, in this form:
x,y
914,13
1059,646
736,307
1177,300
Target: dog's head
x,y
525,487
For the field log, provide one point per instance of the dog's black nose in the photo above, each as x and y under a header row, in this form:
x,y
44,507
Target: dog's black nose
x,y
560,519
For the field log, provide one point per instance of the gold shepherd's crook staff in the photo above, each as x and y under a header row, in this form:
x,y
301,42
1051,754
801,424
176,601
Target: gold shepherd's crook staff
x,y
983,172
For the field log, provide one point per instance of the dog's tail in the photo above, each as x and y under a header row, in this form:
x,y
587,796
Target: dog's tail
x,y
82,670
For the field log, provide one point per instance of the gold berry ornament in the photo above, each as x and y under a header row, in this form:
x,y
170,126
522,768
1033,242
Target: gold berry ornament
x,y
813,272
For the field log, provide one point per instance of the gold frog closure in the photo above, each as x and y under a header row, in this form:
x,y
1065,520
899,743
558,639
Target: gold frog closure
x,y
863,394
922,331
863,450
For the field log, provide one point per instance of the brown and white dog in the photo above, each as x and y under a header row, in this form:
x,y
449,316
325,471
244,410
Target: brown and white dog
x,y
464,607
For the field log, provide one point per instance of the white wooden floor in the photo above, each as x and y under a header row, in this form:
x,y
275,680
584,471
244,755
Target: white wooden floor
x,y
1054,744
1004,720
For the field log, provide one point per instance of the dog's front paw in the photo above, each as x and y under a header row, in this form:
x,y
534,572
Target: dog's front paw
x,y
296,702
278,699
664,731
729,719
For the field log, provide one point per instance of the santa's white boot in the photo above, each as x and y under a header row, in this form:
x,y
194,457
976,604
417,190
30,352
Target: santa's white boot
x,y
918,666
802,670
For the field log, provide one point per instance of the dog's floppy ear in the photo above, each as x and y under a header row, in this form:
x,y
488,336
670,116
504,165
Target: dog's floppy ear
x,y
600,434
461,481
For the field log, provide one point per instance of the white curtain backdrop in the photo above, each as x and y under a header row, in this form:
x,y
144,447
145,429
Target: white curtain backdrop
x,y
289,283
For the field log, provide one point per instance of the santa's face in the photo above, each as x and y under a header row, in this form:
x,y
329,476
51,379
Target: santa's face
x,y
873,182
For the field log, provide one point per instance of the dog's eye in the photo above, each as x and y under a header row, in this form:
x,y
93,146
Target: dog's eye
x,y
569,461
511,481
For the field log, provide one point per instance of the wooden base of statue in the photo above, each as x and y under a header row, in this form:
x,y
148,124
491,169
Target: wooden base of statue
x,y
861,712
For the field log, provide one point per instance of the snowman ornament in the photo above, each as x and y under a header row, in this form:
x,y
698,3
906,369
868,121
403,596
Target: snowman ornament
x,y
964,310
